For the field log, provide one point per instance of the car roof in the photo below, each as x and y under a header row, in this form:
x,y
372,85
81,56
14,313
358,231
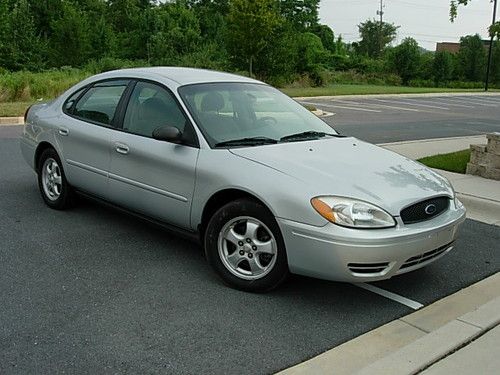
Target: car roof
x,y
178,75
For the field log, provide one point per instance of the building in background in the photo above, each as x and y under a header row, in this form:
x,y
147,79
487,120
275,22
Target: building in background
x,y
454,47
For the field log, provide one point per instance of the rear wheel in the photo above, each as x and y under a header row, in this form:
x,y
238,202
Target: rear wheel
x,y
243,244
55,190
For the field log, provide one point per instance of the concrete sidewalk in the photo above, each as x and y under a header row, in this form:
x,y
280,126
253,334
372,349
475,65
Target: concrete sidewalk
x,y
435,338
428,147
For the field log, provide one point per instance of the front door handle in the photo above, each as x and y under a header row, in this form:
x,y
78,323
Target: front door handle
x,y
63,131
121,148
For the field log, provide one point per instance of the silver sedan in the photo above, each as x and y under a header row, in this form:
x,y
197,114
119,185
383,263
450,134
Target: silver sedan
x,y
267,187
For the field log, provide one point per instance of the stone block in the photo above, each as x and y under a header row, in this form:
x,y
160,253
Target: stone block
x,y
478,148
493,143
492,173
485,158
483,171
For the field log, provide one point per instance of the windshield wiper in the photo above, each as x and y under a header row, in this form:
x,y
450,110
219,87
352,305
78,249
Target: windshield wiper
x,y
252,141
310,134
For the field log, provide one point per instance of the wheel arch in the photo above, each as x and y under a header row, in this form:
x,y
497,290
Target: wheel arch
x,y
219,199
42,146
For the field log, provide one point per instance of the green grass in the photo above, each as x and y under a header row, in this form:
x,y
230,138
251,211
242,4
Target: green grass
x,y
13,109
27,86
344,89
452,162
310,107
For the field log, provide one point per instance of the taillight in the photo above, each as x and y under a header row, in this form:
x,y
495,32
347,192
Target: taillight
x,y
26,113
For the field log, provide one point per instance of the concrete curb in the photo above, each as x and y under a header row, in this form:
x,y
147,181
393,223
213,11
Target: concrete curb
x,y
430,95
472,311
9,121
436,345
429,140
481,209
429,147
321,113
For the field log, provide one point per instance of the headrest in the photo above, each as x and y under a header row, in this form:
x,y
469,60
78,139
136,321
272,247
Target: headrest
x,y
212,102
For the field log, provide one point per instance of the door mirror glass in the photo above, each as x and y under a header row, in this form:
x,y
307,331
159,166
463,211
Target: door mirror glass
x,y
168,133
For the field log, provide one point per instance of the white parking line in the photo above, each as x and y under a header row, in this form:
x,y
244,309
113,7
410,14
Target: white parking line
x,y
392,296
391,106
475,102
343,107
381,105
412,102
440,101
489,99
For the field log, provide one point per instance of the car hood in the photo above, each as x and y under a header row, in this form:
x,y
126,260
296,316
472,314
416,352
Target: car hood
x,y
352,168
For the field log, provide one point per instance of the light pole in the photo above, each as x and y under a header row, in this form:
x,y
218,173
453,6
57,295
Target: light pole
x,y
490,51
381,14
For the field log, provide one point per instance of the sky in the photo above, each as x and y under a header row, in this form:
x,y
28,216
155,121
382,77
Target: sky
x,y
427,21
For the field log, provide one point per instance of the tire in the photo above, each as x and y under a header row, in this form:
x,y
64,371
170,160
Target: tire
x,y
54,188
244,245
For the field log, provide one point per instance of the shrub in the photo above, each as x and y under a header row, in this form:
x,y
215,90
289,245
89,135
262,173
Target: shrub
x,y
106,64
25,86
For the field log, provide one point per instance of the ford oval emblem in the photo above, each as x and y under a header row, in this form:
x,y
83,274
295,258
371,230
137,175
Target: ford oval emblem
x,y
430,209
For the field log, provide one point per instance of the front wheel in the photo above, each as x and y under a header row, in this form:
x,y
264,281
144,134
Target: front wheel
x,y
243,244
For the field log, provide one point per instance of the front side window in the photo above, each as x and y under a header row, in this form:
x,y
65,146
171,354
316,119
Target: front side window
x,y
151,107
231,111
99,103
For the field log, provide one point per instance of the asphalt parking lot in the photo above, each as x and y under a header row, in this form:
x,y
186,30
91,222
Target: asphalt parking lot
x,y
92,290
393,119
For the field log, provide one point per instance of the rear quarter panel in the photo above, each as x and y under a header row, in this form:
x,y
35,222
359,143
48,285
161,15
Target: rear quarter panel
x,y
37,129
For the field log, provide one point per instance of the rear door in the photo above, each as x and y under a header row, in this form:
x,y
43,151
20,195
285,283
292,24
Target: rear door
x,y
84,134
147,175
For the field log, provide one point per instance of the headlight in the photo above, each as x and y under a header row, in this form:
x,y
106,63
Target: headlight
x,y
352,212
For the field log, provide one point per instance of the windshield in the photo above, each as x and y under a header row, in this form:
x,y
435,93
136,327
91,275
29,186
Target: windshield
x,y
230,112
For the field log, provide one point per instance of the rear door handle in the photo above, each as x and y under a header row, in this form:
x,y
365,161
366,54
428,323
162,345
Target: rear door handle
x,y
63,131
121,148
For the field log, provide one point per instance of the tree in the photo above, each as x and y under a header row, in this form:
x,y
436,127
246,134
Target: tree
x,y
405,59
178,34
69,41
133,22
311,53
20,46
251,27
426,70
211,17
302,14
443,67
493,29
375,37
472,58
326,35
495,69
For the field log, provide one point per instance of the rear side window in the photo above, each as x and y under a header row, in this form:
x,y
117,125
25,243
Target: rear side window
x,y
99,103
68,104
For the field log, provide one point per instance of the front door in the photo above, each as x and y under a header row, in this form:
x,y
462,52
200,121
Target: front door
x,y
147,175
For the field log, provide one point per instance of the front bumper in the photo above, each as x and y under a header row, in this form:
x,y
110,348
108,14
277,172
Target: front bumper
x,y
336,253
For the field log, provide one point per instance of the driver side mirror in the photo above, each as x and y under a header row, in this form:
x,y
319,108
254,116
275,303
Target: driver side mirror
x,y
168,134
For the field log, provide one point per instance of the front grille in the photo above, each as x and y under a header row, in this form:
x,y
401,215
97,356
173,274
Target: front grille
x,y
413,261
368,268
425,210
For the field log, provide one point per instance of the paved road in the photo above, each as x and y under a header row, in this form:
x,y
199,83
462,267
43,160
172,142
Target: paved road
x,y
381,120
92,290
